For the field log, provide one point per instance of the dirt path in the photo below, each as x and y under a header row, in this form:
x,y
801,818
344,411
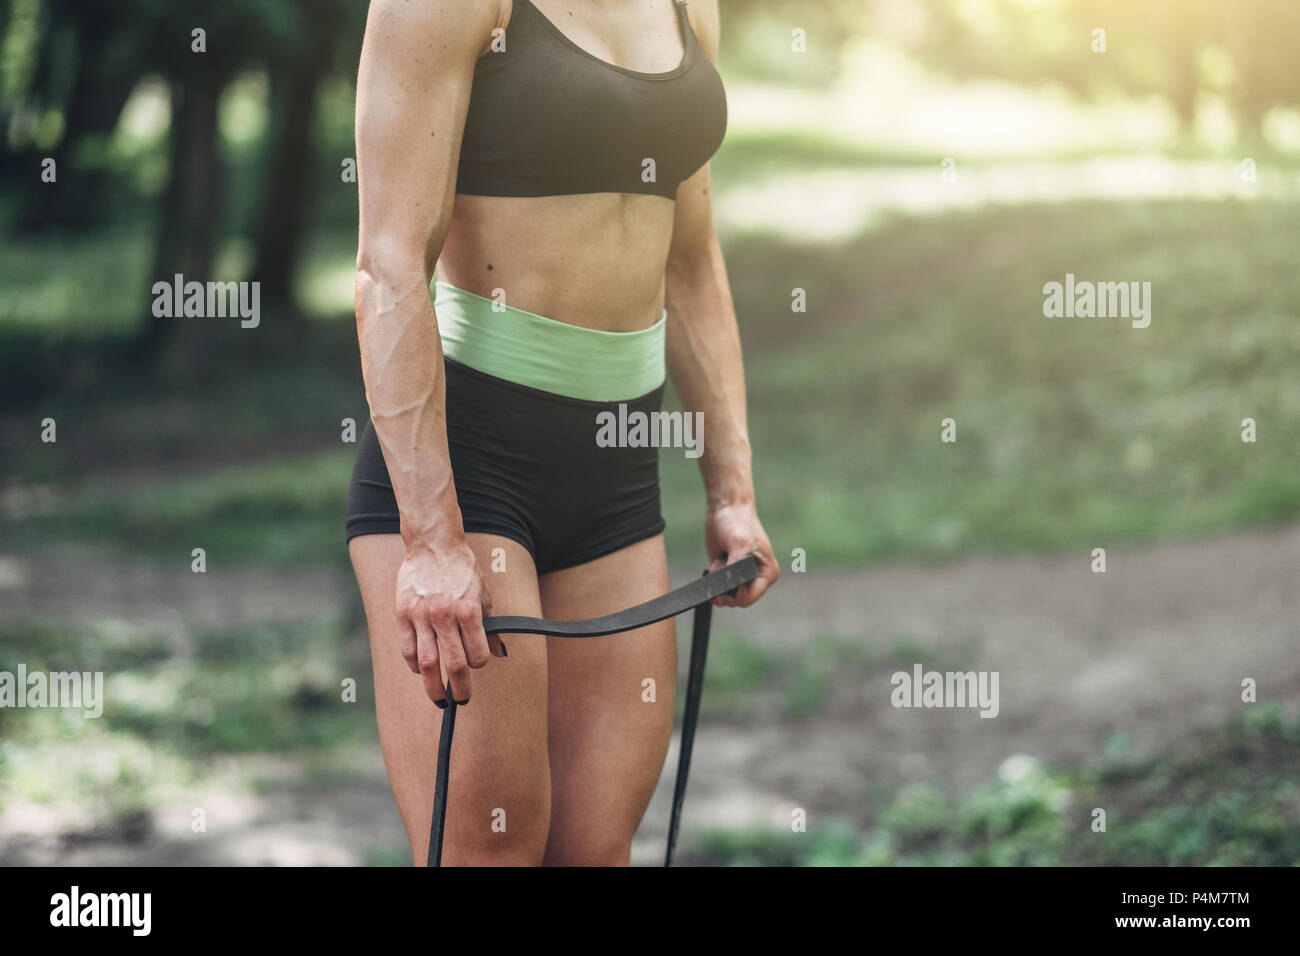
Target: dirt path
x,y
1156,648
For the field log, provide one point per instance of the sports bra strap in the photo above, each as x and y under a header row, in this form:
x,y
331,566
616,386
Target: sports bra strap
x,y
688,32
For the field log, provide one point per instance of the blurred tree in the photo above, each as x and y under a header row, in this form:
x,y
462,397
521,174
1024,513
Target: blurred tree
x,y
78,82
1156,47
86,57
1261,39
828,27
308,40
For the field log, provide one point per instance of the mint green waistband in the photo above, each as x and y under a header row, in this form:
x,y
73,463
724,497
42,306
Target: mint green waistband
x,y
532,350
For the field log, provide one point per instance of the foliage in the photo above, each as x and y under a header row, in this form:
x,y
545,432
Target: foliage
x,y
1234,801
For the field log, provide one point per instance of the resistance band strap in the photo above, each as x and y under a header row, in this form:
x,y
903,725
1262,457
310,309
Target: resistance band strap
x,y
698,595
694,691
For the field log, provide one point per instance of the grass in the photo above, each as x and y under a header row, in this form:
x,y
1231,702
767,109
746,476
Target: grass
x,y
181,704
749,680
187,714
1068,431
1230,802
264,688
174,701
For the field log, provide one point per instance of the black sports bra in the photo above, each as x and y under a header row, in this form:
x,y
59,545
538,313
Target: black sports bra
x,y
547,118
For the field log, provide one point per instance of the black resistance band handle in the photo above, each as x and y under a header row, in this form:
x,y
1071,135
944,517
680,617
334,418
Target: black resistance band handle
x,y
697,595
723,581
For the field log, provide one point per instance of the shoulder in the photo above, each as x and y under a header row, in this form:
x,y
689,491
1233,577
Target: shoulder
x,y
436,26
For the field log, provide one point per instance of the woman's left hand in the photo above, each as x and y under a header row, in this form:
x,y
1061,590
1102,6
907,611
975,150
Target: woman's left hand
x,y
735,530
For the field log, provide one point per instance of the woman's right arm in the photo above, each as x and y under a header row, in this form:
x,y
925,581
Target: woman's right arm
x,y
413,86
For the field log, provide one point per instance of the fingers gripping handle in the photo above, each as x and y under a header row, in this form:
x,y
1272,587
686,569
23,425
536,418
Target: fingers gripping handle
x,y
699,595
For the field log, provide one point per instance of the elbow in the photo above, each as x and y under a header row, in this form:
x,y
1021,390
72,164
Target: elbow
x,y
385,255
388,269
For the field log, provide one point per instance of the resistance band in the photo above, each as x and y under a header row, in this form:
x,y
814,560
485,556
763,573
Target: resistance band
x,y
697,595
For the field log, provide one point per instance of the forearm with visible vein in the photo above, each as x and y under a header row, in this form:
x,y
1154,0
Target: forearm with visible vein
x,y
401,361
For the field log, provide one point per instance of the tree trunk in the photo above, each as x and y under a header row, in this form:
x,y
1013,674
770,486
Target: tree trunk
x,y
288,185
94,104
71,75
186,238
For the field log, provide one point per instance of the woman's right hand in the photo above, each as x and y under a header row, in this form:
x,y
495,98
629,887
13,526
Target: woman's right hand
x,y
441,603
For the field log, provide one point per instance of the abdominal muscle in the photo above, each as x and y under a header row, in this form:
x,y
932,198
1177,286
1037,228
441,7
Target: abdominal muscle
x,y
594,260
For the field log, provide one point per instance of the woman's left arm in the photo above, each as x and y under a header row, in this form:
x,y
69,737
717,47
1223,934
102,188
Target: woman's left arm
x,y
704,361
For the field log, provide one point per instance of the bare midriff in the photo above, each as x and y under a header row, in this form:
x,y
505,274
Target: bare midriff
x,y
594,260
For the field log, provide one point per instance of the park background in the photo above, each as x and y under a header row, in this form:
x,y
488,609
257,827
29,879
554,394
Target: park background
x,y
921,169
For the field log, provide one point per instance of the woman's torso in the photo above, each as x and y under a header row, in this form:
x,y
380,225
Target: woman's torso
x,y
573,103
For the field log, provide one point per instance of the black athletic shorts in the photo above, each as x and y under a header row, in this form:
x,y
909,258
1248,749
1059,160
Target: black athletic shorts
x,y
527,467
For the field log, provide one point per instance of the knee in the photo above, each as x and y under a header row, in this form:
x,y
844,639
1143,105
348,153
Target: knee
x,y
489,853
499,841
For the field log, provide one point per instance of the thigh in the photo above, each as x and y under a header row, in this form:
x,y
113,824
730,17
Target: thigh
x,y
498,800
607,737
